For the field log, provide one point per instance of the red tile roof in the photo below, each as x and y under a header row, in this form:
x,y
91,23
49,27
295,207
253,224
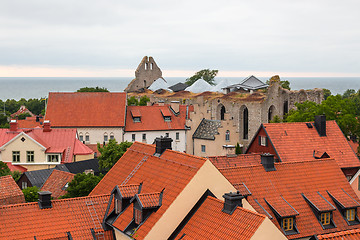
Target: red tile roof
x,y
29,122
21,110
16,167
289,181
55,141
319,202
56,182
10,193
353,234
74,215
152,118
172,170
209,222
294,140
91,109
149,200
129,191
236,161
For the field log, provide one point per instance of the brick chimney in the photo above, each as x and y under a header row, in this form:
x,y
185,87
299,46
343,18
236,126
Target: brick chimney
x,y
162,143
175,105
13,125
44,199
231,201
267,160
47,126
320,125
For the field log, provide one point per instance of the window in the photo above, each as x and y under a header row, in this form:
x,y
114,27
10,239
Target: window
x,y
16,156
65,186
137,216
136,119
262,141
227,136
106,137
167,119
177,136
288,224
23,185
350,214
112,135
53,158
222,113
30,156
81,137
203,149
117,204
245,123
144,137
87,137
325,218
133,137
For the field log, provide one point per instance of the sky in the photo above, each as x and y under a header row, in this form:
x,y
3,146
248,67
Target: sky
x,y
88,38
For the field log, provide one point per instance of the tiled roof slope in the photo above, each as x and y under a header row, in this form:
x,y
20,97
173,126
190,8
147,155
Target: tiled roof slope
x,y
152,118
209,222
29,122
74,215
56,182
292,140
10,193
207,129
38,177
80,167
172,171
91,109
236,161
353,234
290,181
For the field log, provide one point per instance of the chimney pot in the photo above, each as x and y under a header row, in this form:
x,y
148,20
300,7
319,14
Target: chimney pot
x,y
162,143
13,125
320,125
231,201
44,199
267,160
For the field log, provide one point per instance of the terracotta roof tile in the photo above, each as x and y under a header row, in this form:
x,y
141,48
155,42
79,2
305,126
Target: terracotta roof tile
x,y
10,193
292,140
281,206
74,215
149,200
129,191
152,118
29,122
95,109
172,170
209,222
236,161
56,183
353,234
291,180
16,167
319,202
344,198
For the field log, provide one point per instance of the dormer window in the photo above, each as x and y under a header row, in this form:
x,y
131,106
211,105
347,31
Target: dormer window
x,y
166,114
136,119
167,119
347,206
136,115
288,224
350,214
325,218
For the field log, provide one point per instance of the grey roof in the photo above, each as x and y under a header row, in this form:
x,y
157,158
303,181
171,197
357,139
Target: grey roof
x,y
207,129
250,83
80,167
178,87
38,177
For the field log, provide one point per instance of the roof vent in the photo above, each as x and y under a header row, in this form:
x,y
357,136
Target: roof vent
x,y
13,125
309,125
45,199
320,125
232,200
267,160
162,143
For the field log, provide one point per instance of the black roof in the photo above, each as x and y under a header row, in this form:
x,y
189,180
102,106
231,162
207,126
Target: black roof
x,y
38,177
178,87
80,167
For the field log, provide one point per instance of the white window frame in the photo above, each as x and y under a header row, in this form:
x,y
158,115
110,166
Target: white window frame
x,y
51,157
263,141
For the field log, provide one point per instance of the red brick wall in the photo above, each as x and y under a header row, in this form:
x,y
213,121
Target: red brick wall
x,y
255,147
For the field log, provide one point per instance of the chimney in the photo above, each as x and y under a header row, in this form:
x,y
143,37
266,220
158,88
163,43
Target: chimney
x,y
162,143
267,160
231,201
37,119
47,126
13,125
44,199
175,105
320,125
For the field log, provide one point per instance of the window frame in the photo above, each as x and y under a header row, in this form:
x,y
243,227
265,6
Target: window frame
x,y
133,137
144,137
106,137
50,158
287,224
352,215
167,118
30,154
136,119
87,137
203,148
177,136
227,136
15,156
325,218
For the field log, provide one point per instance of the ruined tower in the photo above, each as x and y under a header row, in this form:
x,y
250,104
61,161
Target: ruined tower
x,y
146,73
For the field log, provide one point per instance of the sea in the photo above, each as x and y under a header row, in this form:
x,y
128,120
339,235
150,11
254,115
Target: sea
x,y
39,87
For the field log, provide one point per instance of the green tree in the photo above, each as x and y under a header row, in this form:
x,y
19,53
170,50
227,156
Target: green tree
x,y
4,169
206,74
82,185
132,101
4,121
348,93
16,175
31,194
143,100
327,93
111,153
93,89
23,116
285,84
238,149
276,119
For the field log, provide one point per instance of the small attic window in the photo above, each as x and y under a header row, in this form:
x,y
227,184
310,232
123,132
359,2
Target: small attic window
x,y
263,141
288,224
167,118
136,119
23,139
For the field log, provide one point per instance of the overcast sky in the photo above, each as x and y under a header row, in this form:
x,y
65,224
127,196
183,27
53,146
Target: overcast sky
x,y
109,38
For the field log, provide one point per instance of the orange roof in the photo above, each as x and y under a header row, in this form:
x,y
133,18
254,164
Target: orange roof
x,y
74,215
149,200
353,234
283,190
209,222
58,140
56,183
129,191
21,110
152,118
294,140
29,122
16,167
172,170
10,193
86,109
236,161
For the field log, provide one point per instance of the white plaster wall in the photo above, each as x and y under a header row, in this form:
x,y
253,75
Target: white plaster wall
x,y
177,145
97,134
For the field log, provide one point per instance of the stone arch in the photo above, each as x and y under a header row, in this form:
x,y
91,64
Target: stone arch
x,y
220,113
271,113
244,122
